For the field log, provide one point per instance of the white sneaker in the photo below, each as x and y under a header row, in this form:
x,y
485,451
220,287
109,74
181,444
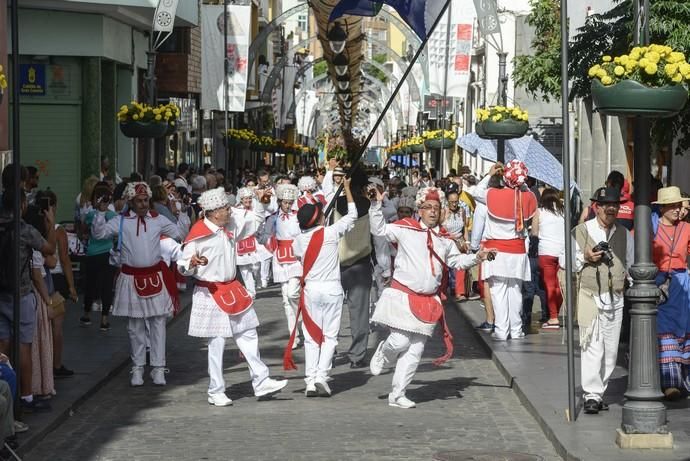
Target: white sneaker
x,y
495,337
297,343
401,402
270,386
377,360
311,390
137,378
219,400
520,335
322,388
158,376
97,306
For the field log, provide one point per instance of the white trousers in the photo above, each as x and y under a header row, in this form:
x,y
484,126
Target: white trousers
x,y
325,305
265,272
248,271
154,337
506,296
248,343
406,348
291,291
598,360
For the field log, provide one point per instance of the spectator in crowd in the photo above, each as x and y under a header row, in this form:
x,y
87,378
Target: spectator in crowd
x,y
603,254
30,239
183,172
155,181
161,203
100,274
454,218
31,184
63,283
670,251
548,226
46,309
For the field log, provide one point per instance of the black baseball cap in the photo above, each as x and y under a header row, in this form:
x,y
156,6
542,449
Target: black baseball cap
x,y
308,215
607,195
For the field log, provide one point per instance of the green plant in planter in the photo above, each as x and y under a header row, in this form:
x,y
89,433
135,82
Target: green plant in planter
x,y
649,81
439,139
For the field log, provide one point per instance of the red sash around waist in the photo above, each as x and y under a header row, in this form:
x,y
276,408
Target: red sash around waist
x,y
284,253
514,246
230,297
246,246
148,283
426,307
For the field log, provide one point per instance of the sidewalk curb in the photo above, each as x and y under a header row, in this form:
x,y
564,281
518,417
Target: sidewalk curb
x,y
101,377
514,384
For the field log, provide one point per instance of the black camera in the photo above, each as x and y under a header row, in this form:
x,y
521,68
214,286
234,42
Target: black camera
x,y
607,257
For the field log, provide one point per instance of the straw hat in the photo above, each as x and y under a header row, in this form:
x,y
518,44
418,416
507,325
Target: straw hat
x,y
668,196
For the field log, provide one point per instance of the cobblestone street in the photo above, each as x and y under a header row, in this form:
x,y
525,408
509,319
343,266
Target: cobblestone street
x,y
463,405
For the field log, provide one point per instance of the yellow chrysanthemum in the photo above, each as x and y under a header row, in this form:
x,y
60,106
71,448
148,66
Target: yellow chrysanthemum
x,y
651,69
619,71
606,59
607,80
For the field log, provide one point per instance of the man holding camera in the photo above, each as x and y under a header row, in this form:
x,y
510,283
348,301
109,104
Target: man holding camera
x,y
603,253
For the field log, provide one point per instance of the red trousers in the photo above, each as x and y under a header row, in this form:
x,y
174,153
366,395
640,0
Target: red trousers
x,y
460,283
548,273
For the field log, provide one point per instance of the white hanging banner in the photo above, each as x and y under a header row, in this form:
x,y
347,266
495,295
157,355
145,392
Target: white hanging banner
x,y
460,48
164,18
212,56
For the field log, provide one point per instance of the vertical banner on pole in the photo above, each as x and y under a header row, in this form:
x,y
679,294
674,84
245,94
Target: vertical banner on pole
x,y
212,56
460,45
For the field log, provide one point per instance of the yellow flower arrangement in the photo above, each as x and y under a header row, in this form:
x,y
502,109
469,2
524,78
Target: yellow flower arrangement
x,y
501,113
142,112
3,80
241,135
438,134
654,65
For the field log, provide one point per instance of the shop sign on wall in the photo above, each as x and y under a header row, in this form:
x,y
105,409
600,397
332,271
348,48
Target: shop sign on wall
x,y
32,79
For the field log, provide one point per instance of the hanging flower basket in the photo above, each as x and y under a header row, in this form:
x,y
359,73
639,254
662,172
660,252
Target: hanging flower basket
x,y
237,143
439,143
504,129
629,98
417,148
133,129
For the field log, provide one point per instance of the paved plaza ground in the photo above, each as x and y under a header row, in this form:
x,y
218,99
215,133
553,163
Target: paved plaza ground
x,y
466,404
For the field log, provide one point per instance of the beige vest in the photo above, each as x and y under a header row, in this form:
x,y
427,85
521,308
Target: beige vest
x,y
356,244
597,279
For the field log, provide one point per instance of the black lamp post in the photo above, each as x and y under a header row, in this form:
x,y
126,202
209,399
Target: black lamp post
x,y
643,411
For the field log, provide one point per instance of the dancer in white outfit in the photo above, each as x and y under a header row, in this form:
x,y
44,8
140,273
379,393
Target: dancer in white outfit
x,y
221,307
250,252
279,232
321,302
146,289
411,306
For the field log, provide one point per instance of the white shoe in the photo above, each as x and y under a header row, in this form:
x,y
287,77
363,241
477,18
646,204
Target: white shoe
x,y
322,388
269,387
311,390
401,402
137,378
297,343
520,335
495,337
377,360
219,400
96,306
158,376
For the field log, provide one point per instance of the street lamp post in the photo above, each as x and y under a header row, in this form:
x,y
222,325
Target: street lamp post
x,y
643,411
502,100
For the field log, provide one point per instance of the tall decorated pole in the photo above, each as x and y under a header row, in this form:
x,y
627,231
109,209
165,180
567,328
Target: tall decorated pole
x,y
161,30
643,411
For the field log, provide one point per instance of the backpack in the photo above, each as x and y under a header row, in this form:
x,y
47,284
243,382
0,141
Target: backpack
x,y
7,266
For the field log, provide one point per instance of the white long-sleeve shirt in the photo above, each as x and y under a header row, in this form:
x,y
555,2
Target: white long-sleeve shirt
x,y
219,248
599,234
327,265
412,261
142,250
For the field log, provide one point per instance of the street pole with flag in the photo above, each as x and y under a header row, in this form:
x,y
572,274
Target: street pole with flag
x,y
412,12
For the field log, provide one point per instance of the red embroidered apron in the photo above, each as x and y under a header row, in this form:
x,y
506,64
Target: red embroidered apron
x,y
230,297
148,283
